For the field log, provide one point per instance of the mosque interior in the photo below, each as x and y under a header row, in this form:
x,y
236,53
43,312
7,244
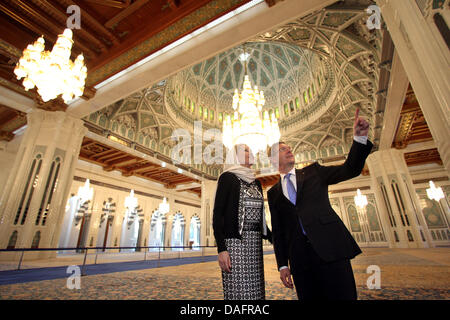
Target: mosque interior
x,y
157,68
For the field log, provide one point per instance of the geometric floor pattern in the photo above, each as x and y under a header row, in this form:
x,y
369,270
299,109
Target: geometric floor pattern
x,y
405,274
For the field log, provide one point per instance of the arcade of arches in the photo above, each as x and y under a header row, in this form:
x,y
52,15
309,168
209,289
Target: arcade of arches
x,y
316,61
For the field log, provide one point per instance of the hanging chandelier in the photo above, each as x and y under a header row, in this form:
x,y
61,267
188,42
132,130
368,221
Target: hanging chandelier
x,y
360,200
85,192
131,202
434,193
164,206
52,72
249,124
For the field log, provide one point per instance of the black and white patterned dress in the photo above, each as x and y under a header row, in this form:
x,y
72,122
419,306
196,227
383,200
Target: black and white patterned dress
x,y
246,279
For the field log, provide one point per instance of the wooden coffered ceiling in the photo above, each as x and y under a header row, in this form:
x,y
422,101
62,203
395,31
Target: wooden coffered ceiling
x,y
10,121
423,157
412,128
111,158
114,34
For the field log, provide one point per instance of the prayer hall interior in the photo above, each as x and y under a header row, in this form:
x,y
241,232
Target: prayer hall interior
x,y
130,167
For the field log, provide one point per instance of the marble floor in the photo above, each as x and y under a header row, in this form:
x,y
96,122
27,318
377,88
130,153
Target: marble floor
x,y
405,274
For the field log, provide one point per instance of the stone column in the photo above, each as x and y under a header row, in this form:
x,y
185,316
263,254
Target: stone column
x,y
400,211
169,222
425,58
35,194
206,216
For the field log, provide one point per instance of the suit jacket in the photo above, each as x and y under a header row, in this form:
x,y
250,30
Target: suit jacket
x,y
325,230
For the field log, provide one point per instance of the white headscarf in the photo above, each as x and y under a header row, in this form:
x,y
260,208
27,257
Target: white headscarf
x,y
233,165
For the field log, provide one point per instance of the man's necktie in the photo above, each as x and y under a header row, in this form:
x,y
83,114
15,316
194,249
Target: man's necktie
x,y
291,189
292,195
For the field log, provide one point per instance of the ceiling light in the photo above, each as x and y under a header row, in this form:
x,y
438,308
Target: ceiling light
x,y
52,72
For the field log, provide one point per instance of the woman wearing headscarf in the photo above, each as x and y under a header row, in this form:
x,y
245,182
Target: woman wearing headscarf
x,y
239,227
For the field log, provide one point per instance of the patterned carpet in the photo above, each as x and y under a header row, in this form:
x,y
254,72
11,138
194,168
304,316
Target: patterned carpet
x,y
406,274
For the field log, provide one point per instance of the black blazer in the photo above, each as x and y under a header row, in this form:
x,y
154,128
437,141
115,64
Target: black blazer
x,y
226,207
325,230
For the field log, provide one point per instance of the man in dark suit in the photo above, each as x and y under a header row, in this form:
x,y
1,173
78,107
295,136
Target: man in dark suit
x,y
311,242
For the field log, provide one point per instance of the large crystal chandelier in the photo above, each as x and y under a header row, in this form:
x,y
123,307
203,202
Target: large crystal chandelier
x,y
249,124
434,193
52,72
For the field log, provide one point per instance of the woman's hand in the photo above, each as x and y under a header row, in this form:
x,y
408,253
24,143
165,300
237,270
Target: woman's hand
x,y
225,261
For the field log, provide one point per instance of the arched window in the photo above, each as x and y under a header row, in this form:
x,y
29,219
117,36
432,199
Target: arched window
x,y
388,205
400,203
123,130
194,232
410,236
442,27
49,190
115,127
36,240
277,113
30,186
12,240
177,237
131,134
102,121
93,117
157,230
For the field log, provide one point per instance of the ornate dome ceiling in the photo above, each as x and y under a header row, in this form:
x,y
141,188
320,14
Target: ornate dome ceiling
x,y
281,70
314,71
297,83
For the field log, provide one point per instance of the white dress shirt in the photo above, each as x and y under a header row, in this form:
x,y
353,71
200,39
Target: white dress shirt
x,y
360,139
